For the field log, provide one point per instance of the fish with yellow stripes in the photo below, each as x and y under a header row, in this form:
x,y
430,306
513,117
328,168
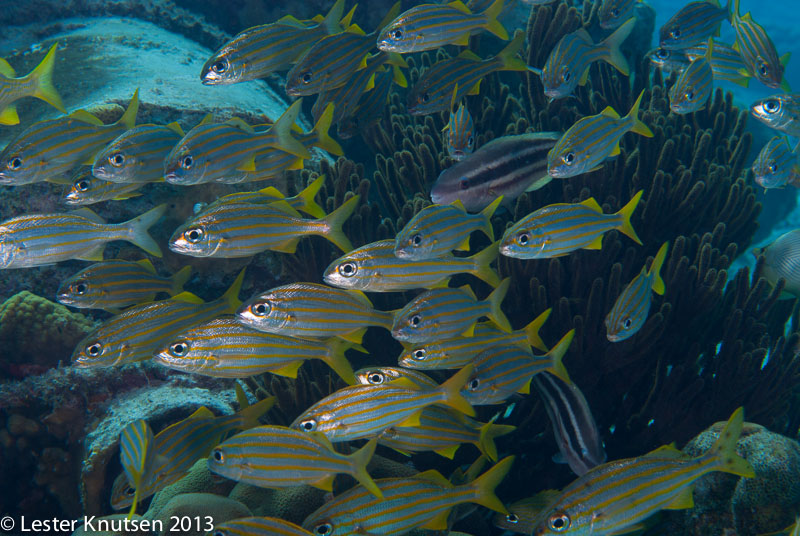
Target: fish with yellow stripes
x,y
460,130
614,496
442,313
279,457
134,334
693,87
138,154
561,228
87,189
423,500
436,230
42,239
693,23
116,283
375,268
384,375
591,140
458,352
259,526
612,13
777,165
233,230
364,411
312,310
51,150
38,83
370,108
757,50
633,304
430,26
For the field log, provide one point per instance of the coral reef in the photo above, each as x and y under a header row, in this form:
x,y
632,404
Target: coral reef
x,y
189,507
198,480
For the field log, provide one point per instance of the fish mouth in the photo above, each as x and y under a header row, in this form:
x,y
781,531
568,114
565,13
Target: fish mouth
x,y
292,92
613,337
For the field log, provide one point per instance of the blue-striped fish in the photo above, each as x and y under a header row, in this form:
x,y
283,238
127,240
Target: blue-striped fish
x,y
562,228
575,430
385,375
460,130
507,166
87,189
260,50
138,154
782,259
363,411
244,229
115,284
693,87
38,83
777,165
259,526
312,310
137,332
694,23
375,268
424,500
669,61
443,313
136,454
630,311
613,496
442,430
41,239
568,64
781,112
506,369
757,50
370,108
591,140
430,26
51,150
726,62
613,13
458,352
302,202
279,457
434,90
225,348
437,230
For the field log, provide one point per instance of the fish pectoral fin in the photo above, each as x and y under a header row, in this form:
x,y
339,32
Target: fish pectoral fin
x,y
9,116
432,475
439,284
86,117
597,243
539,183
448,452
526,388
411,421
628,529
325,483
463,246
288,371
592,204
439,521
584,77
462,41
684,500
249,164
289,246
476,89
470,331
6,69
355,336
615,150
95,254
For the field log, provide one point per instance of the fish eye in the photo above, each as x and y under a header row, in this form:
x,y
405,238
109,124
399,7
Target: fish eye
x,y
306,77
187,161
569,158
763,68
194,235
676,33
627,323
179,349
80,287
323,529
347,269
220,67
397,34
470,141
308,425
566,76
662,53
130,492
14,163
464,184
415,320
523,239
772,105
512,518
376,378
260,308
419,354
94,350
615,12
218,456
116,160
772,168
474,384
416,239
82,185
425,97
689,95
558,522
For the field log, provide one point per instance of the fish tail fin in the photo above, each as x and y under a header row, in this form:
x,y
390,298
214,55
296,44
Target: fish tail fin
x,y
655,269
129,117
724,448
487,214
336,359
42,77
231,296
485,484
612,45
493,25
309,206
481,262
137,230
633,115
488,432
508,56
452,390
496,298
282,129
179,279
556,356
336,219
360,459
532,330
324,141
626,212
252,413
331,20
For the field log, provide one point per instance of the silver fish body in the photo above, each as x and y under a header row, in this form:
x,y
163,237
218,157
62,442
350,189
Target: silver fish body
x,y
781,112
87,189
693,87
757,50
694,23
782,259
137,156
777,165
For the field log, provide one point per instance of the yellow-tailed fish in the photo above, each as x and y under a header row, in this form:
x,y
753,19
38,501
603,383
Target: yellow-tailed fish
x,y
616,495
437,230
41,239
258,526
245,229
86,189
777,165
375,268
726,62
370,108
137,455
757,50
460,130
694,23
430,26
669,61
443,313
260,50
137,155
115,284
591,140
384,375
312,310
434,90
424,500
137,332
630,311
224,348
51,150
280,457
781,112
38,83
364,411
568,64
505,369
302,202
613,13
562,228
782,260
442,430
458,352
693,87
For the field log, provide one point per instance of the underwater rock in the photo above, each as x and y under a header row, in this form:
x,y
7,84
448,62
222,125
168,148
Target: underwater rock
x,y
292,504
199,506
198,480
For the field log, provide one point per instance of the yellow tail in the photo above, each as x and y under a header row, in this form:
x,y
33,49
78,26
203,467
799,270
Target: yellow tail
x,y
481,265
282,129
613,55
485,484
324,141
638,127
179,279
492,24
231,296
42,77
532,331
488,432
334,222
452,390
724,448
129,117
360,459
336,359
626,212
508,56
308,205
496,298
487,214
655,268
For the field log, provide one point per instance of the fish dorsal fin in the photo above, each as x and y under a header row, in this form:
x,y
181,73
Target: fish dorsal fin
x,y
459,5
289,20
666,451
283,206
288,371
684,500
201,413
248,164
459,205
355,29
6,69
86,117
240,123
405,383
323,440
592,204
469,291
610,112
147,265
188,297
89,214
583,35
206,120
469,55
176,128
361,297
434,476
272,192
